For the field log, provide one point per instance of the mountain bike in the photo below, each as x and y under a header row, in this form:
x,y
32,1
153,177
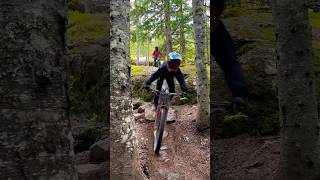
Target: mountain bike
x,y
161,114
157,62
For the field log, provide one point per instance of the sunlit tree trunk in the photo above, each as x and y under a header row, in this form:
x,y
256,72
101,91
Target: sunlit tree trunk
x,y
202,78
35,132
137,44
300,143
122,153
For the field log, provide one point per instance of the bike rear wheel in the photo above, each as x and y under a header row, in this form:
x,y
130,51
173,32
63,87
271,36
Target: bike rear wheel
x,y
159,131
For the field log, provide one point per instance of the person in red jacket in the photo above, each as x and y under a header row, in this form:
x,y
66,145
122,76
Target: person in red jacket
x,y
156,55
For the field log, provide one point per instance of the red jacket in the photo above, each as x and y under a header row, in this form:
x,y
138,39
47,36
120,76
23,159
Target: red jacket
x,y
156,54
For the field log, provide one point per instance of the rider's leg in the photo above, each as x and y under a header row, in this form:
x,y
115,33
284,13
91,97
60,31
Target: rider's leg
x,y
224,53
155,97
170,82
154,62
171,86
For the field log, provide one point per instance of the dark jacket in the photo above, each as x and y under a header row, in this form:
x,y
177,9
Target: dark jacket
x,y
163,74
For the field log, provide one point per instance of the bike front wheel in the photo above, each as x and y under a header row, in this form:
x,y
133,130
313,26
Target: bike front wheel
x,y
159,130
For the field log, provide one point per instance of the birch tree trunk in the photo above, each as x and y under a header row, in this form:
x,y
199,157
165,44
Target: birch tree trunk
x,y
35,132
300,143
122,152
202,78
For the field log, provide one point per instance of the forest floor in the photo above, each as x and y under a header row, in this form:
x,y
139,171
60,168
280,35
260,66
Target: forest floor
x,y
185,152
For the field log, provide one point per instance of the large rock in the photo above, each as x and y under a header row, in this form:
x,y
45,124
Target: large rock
x,y
138,116
87,171
136,103
99,152
88,80
86,131
148,113
172,115
141,109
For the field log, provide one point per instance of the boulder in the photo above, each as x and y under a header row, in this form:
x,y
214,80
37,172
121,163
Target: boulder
x,y
149,114
141,109
86,131
88,171
172,115
136,103
138,116
99,151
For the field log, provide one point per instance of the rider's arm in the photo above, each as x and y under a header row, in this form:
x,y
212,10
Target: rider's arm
x,y
181,81
153,77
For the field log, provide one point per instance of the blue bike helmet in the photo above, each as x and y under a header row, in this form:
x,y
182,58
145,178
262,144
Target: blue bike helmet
x,y
175,57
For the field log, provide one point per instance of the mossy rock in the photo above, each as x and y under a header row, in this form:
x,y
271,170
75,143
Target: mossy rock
x,y
235,124
89,77
137,88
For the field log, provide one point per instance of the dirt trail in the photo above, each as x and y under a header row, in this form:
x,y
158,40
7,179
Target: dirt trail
x,y
185,153
246,158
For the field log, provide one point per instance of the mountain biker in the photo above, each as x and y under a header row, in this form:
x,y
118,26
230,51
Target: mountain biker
x,y
224,52
155,55
167,71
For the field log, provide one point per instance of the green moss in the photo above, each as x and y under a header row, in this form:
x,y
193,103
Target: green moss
x,y
137,70
235,124
235,117
191,70
315,20
137,88
268,34
234,12
85,26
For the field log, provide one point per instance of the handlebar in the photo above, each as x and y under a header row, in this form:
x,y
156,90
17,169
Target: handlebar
x,y
173,94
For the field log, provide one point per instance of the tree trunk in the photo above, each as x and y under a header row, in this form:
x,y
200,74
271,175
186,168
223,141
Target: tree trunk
x,y
300,145
147,56
122,152
137,45
36,139
202,78
167,26
206,47
182,40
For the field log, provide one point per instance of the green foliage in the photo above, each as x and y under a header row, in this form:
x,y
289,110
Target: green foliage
x,y
191,70
137,88
137,70
147,18
91,101
83,26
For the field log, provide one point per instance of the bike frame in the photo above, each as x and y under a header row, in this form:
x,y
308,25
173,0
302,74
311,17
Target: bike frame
x,y
164,102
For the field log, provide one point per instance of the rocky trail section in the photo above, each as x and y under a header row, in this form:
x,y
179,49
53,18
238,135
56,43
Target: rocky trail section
x,y
184,154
